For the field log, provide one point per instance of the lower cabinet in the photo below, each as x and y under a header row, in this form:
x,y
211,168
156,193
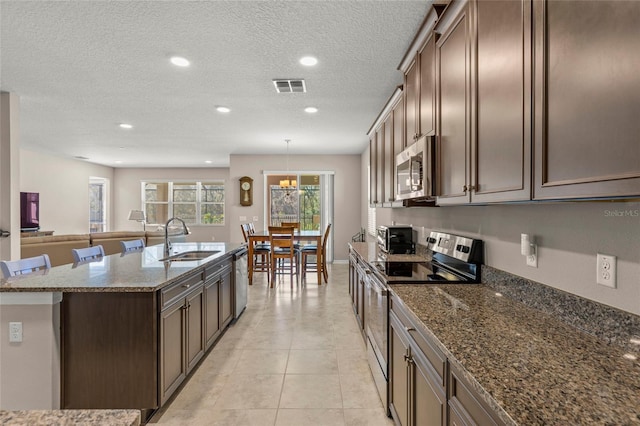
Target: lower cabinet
x,y
424,387
134,349
181,332
417,396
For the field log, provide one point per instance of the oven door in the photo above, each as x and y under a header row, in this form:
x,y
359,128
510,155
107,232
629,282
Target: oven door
x,y
376,320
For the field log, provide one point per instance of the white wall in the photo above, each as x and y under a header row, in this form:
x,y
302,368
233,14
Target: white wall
x,y
346,191
127,196
568,236
63,185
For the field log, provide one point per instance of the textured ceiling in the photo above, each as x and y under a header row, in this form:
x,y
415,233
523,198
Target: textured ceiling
x,y
82,67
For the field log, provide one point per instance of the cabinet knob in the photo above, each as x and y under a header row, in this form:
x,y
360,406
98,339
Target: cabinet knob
x,y
407,358
186,285
472,188
464,188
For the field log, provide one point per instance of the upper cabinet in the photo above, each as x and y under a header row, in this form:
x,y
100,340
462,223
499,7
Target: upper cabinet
x,y
483,103
385,142
586,103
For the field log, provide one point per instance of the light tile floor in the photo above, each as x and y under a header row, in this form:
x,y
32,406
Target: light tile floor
x,y
295,357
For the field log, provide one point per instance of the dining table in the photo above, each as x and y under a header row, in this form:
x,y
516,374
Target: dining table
x,y
313,236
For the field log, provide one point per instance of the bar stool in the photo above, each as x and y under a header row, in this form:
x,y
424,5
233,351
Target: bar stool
x,y
319,253
131,246
89,253
11,268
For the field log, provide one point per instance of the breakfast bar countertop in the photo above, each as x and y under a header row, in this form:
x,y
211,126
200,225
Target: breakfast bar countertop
x,y
141,271
536,368
70,417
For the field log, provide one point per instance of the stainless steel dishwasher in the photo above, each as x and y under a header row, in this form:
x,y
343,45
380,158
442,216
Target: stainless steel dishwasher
x,y
241,281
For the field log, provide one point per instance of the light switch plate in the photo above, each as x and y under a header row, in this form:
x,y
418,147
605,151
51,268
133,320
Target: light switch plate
x,y
15,332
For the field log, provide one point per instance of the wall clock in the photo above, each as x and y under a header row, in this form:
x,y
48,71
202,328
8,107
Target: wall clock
x,y
246,191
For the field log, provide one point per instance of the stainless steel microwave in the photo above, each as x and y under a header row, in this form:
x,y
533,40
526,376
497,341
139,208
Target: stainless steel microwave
x,y
415,170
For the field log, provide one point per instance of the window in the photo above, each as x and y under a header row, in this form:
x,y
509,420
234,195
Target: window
x,y
197,203
97,204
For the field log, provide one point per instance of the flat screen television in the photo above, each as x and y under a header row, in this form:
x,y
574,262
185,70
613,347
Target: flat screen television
x,y
29,211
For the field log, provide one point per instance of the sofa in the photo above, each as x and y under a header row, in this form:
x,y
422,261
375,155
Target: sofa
x,y
58,247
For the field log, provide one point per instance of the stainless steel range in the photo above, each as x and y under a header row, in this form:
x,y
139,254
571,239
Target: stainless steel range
x,y
454,259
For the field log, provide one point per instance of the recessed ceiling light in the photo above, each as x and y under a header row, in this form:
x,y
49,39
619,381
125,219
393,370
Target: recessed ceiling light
x,y
308,61
180,61
118,162
126,126
208,161
311,110
222,109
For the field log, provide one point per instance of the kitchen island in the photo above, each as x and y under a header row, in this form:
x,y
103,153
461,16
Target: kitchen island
x,y
498,360
132,327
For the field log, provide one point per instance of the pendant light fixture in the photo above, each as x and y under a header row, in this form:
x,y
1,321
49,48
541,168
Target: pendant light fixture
x,y
288,183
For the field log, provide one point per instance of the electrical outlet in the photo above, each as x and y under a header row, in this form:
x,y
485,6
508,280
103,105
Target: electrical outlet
x,y
532,259
256,218
606,270
15,332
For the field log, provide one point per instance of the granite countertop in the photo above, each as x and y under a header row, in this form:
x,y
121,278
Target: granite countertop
x,y
536,368
70,417
141,271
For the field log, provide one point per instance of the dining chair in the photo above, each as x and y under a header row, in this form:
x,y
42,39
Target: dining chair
x,y
11,268
314,250
261,252
296,228
89,253
284,257
131,246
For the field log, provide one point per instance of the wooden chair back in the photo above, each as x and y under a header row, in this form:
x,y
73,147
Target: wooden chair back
x,y
131,246
89,253
295,225
11,268
281,240
244,227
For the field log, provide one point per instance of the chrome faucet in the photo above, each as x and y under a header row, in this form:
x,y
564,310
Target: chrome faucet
x,y
167,243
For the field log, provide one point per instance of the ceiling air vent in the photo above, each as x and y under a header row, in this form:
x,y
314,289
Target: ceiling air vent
x,y
289,85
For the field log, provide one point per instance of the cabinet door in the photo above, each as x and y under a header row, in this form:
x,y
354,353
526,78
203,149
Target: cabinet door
x,y
501,143
429,406
411,87
195,328
453,71
380,165
172,354
586,99
399,142
373,170
212,311
226,299
428,87
389,160
398,373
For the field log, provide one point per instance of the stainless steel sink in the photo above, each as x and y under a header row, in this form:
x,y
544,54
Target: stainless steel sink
x,y
190,255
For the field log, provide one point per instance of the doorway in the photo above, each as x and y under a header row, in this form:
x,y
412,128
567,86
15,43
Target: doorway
x,y
301,197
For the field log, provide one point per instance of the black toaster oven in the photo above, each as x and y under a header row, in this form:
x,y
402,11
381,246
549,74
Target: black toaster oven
x,y
396,239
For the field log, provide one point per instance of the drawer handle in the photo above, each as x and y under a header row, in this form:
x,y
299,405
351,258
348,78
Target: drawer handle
x,y
409,329
186,285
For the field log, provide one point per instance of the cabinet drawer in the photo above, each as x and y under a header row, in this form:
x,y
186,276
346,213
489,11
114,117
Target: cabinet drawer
x,y
466,405
435,357
179,289
213,272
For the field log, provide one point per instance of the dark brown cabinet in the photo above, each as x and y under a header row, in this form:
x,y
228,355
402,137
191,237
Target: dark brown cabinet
x,y
427,110
417,395
465,409
484,98
411,99
181,331
357,283
586,103
218,300
385,142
